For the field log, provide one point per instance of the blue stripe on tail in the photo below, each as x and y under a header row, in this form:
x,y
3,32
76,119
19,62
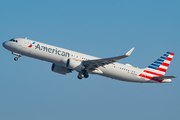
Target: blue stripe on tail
x,y
152,67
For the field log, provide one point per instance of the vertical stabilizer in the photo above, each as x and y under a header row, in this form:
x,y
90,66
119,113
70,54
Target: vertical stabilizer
x,y
158,68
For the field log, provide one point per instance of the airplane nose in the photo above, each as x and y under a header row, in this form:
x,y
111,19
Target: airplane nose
x,y
4,44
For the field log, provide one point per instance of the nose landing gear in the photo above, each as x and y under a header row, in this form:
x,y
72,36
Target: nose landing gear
x,y
16,58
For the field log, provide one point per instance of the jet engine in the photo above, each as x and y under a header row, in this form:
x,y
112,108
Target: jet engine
x,y
74,64
60,69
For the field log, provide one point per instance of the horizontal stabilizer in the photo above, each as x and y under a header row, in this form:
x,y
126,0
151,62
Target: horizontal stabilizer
x,y
164,77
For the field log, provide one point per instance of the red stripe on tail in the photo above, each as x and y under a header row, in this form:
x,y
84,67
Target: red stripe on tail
x,y
165,64
161,69
168,58
151,78
172,54
153,73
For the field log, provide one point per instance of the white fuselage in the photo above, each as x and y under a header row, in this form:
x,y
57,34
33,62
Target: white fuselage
x,y
54,54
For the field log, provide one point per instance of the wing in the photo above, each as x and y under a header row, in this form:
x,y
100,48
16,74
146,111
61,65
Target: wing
x,y
101,62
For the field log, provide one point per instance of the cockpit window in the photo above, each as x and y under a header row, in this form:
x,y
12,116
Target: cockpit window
x,y
13,40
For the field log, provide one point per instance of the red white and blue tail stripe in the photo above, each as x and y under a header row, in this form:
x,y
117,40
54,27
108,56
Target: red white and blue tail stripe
x,y
158,68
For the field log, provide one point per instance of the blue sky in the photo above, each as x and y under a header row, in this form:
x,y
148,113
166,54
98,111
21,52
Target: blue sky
x,y
29,90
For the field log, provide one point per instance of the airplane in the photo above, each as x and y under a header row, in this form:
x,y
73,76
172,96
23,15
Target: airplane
x,y
65,61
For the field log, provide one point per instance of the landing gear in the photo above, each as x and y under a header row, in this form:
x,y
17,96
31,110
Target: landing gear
x,y
16,58
83,74
86,76
80,75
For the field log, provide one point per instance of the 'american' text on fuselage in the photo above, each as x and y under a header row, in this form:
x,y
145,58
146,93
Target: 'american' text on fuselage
x,y
51,50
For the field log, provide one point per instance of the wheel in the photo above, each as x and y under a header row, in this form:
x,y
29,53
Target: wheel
x,y
79,77
86,76
15,58
85,73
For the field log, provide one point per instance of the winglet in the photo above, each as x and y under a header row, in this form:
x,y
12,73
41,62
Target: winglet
x,y
129,52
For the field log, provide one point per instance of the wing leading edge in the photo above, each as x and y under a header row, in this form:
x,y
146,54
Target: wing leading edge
x,y
101,62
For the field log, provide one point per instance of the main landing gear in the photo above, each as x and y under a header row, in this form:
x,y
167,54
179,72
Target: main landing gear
x,y
83,74
16,58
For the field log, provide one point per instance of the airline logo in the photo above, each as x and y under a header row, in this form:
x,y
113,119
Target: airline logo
x,y
158,68
31,44
162,63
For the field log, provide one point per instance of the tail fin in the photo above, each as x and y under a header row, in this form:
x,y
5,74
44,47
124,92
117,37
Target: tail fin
x,y
158,68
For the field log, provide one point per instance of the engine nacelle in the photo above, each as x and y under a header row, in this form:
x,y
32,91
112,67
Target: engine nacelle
x,y
63,62
60,69
74,64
